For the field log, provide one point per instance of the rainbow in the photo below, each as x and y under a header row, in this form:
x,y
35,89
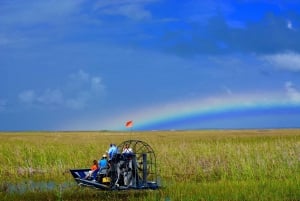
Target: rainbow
x,y
244,111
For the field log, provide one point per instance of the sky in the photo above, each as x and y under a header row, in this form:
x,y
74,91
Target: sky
x,y
95,64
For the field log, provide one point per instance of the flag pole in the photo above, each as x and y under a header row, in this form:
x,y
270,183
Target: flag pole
x,y
129,124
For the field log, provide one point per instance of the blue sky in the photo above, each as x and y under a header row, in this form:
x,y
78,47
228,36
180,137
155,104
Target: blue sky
x,y
95,64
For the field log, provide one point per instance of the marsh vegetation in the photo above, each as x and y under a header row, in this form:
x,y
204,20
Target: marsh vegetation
x,y
193,165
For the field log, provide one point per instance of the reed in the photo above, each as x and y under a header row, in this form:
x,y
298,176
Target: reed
x,y
193,165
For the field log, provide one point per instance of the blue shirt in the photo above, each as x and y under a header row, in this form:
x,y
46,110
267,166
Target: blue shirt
x,y
103,163
112,151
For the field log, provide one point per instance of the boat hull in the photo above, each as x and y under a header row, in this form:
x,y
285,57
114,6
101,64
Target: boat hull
x,y
80,177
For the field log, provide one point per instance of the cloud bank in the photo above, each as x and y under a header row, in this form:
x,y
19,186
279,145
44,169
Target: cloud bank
x,y
79,89
288,61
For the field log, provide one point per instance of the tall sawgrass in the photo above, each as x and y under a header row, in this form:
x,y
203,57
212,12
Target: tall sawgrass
x,y
193,165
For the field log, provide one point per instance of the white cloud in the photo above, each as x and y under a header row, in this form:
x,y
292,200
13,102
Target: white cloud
x,y
51,97
76,93
82,80
96,84
27,96
289,24
133,9
289,61
80,76
292,92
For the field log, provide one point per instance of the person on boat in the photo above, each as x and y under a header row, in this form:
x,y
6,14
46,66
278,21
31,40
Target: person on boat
x,y
94,168
103,164
128,153
127,149
113,150
103,168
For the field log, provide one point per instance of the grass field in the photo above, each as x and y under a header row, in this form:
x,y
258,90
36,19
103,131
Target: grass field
x,y
193,165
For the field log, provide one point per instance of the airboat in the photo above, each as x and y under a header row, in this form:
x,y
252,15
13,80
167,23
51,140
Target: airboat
x,y
126,171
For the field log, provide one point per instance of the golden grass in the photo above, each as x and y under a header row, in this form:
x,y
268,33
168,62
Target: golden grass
x,y
208,158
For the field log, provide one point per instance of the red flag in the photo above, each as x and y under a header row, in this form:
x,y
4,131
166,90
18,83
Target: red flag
x,y
129,124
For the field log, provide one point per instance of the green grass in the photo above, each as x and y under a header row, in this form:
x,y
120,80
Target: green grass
x,y
193,165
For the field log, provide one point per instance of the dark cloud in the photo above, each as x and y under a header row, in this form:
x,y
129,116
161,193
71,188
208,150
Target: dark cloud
x,y
270,35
